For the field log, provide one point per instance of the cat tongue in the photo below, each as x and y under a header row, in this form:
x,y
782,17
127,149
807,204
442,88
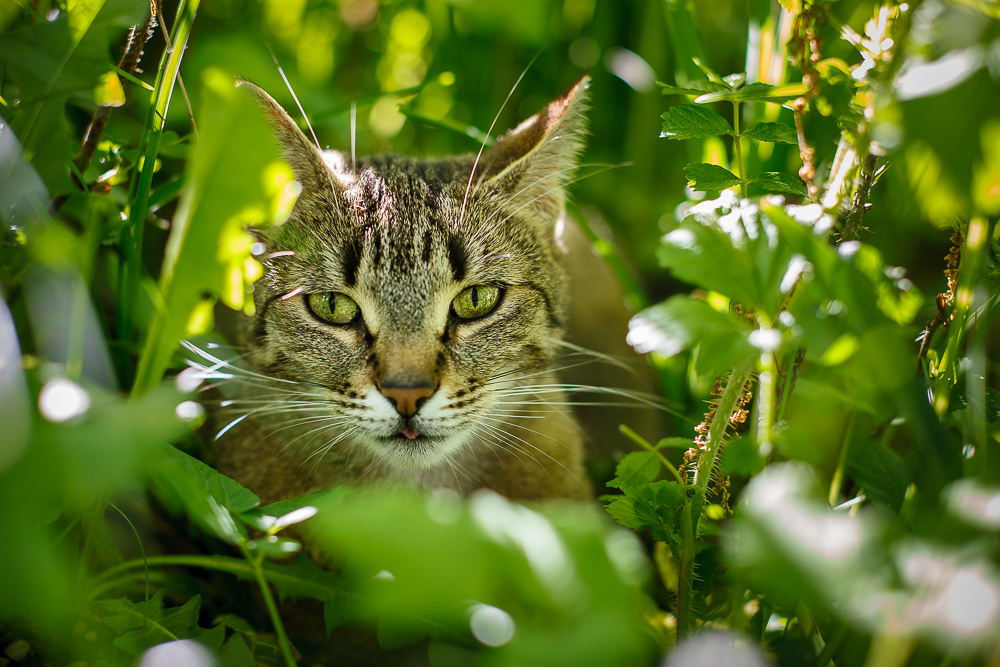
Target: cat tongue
x,y
410,433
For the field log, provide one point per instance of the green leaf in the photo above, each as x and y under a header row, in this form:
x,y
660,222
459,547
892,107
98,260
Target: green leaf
x,y
236,653
776,181
227,492
147,624
208,249
635,469
676,443
710,177
683,323
696,87
756,92
773,132
706,257
880,471
689,121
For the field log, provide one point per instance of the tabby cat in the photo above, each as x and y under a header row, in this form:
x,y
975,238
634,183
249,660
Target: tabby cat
x,y
408,321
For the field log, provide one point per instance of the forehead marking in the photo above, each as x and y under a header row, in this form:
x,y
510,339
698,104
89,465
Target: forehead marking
x,y
458,257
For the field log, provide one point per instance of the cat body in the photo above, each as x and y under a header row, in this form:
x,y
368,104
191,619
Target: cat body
x,y
408,320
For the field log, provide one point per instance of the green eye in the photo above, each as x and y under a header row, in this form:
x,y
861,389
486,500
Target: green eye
x,y
333,307
475,301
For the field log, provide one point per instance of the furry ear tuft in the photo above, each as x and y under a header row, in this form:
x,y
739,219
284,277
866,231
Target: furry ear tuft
x,y
535,161
303,156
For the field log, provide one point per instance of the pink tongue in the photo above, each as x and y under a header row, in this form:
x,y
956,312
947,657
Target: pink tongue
x,y
410,433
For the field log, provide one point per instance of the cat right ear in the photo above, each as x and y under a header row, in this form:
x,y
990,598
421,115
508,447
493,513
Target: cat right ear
x,y
302,155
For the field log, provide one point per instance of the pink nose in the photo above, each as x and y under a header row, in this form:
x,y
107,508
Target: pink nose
x,y
407,400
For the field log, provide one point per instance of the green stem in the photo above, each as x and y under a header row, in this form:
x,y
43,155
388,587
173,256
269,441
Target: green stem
x,y
639,440
838,475
738,148
272,608
685,577
149,145
695,504
767,389
717,429
971,266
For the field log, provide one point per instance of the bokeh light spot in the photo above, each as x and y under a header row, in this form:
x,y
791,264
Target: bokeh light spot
x,y
491,625
61,400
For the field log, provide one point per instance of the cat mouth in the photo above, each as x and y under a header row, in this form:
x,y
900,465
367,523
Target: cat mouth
x,y
410,434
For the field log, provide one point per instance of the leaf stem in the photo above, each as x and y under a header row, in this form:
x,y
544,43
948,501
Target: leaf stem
x,y
149,145
272,608
717,428
639,440
695,503
738,148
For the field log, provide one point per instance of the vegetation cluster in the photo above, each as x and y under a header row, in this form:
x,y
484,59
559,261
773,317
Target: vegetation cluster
x,y
806,230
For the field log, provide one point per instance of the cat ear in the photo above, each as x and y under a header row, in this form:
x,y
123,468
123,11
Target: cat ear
x,y
534,162
310,166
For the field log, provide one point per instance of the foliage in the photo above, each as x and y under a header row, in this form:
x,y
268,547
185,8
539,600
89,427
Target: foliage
x,y
836,500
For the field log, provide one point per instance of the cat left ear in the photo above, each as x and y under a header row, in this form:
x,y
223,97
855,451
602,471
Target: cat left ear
x,y
534,162
302,155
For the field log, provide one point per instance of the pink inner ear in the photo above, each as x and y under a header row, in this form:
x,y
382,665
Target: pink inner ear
x,y
523,139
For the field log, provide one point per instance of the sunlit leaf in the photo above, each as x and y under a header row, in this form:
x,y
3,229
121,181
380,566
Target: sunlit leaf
x,y
689,121
756,91
208,246
695,87
682,323
710,177
778,181
773,132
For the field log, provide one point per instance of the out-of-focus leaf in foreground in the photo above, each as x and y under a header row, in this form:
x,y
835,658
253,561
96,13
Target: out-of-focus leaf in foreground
x,y
234,179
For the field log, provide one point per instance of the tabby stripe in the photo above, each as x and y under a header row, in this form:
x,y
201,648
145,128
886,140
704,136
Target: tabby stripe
x,y
459,258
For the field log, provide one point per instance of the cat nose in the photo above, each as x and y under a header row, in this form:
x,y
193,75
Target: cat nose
x,y
407,400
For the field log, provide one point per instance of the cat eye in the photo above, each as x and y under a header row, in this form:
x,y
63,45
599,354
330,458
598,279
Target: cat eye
x,y
476,301
333,307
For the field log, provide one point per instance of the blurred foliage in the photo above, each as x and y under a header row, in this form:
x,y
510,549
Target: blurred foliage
x,y
837,500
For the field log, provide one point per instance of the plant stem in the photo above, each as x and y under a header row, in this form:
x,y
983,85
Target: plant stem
x,y
717,429
696,497
738,148
838,474
971,266
131,241
272,608
639,440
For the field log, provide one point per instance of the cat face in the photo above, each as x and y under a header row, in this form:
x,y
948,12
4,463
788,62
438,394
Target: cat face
x,y
411,297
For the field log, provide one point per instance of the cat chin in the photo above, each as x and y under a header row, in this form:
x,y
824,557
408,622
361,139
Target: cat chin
x,y
422,454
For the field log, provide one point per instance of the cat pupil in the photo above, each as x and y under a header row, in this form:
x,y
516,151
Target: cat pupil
x,y
475,297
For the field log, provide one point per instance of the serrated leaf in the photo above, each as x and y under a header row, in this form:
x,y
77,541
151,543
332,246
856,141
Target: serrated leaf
x,y
880,471
635,469
776,181
326,499
683,323
756,92
227,492
147,624
773,132
695,87
689,121
710,177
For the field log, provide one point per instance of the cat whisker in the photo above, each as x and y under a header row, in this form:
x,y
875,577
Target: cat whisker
x,y
465,197
534,447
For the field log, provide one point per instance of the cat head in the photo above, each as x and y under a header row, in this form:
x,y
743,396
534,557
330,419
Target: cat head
x,y
412,295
